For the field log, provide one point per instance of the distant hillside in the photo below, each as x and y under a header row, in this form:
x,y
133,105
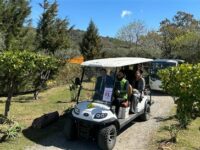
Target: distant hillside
x,y
111,46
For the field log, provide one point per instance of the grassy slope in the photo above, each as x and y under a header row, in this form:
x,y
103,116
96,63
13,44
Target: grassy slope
x,y
188,139
24,109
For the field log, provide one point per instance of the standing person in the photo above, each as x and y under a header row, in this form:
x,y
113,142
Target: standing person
x,y
121,90
103,81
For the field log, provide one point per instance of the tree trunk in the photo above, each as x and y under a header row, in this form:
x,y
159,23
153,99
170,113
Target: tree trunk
x,y
8,102
36,93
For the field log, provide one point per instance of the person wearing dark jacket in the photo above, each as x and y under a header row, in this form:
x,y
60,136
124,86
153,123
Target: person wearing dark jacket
x,y
103,81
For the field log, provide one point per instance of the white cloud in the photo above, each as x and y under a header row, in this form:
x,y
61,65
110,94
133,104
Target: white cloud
x,y
125,13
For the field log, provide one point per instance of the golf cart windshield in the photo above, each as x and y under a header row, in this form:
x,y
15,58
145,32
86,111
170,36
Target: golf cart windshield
x,y
98,84
159,65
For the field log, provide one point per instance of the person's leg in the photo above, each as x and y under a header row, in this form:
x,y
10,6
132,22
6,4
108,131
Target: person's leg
x,y
117,102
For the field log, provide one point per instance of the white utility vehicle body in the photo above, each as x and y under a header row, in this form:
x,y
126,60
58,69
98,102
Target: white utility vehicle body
x,y
97,119
156,65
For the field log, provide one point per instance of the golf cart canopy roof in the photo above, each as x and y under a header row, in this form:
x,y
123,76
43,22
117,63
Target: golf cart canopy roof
x,y
169,60
115,62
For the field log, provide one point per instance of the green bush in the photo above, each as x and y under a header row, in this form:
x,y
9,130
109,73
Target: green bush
x,y
8,129
183,82
68,73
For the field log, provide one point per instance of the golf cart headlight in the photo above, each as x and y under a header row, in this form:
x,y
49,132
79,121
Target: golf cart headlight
x,y
100,115
76,110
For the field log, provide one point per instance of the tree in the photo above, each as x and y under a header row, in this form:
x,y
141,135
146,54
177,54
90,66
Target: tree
x,y
131,33
150,45
52,32
169,32
2,42
91,46
13,15
183,83
19,68
181,24
188,47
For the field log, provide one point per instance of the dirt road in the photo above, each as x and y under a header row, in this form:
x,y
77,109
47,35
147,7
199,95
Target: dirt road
x,y
134,137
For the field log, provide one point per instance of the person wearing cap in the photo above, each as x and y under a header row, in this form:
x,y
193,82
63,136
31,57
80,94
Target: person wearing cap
x,y
103,81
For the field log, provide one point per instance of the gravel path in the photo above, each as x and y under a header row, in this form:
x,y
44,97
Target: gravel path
x,y
135,137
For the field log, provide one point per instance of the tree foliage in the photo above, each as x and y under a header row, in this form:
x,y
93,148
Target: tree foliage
x,y
150,45
183,82
18,68
132,32
91,46
181,24
52,32
2,42
187,47
13,15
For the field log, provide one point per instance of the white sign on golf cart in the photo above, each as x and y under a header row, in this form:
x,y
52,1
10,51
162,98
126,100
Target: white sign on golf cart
x,y
107,95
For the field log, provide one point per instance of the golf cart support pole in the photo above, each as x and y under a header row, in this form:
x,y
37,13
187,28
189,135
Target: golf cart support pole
x,y
79,90
113,85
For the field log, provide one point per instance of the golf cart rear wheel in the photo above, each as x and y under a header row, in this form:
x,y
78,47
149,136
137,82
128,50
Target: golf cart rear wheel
x,y
107,137
70,129
146,115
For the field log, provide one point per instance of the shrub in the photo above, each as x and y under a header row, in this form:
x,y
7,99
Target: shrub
x,y
68,73
8,129
183,82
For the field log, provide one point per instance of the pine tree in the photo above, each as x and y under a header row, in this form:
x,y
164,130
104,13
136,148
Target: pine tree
x,y
91,46
52,32
13,15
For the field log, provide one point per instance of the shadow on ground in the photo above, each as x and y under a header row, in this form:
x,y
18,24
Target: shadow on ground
x,y
53,136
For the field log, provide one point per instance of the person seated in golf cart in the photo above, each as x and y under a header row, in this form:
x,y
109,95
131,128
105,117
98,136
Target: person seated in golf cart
x,y
139,82
103,81
121,91
138,90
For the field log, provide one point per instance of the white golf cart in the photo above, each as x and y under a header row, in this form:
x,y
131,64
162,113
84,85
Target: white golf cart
x,y
96,118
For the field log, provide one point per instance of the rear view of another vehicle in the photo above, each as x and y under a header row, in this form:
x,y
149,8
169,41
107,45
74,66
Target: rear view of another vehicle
x,y
158,64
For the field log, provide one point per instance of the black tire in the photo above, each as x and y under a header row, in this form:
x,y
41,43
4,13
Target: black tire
x,y
146,115
70,129
107,137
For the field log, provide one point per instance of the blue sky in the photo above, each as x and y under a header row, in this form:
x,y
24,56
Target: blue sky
x,y
110,15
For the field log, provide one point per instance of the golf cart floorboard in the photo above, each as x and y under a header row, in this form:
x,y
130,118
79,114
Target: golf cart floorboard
x,y
124,122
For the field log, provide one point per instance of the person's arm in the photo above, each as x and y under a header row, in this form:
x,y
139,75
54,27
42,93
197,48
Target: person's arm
x,y
141,85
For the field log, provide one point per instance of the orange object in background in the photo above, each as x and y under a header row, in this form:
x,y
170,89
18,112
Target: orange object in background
x,y
76,60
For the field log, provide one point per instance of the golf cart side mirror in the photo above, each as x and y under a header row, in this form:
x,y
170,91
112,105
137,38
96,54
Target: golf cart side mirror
x,y
77,81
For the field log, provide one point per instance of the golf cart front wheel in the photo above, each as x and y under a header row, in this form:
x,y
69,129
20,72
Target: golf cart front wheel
x,y
107,137
70,129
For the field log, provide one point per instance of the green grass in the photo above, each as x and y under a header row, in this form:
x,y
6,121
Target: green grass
x,y
188,139
24,109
